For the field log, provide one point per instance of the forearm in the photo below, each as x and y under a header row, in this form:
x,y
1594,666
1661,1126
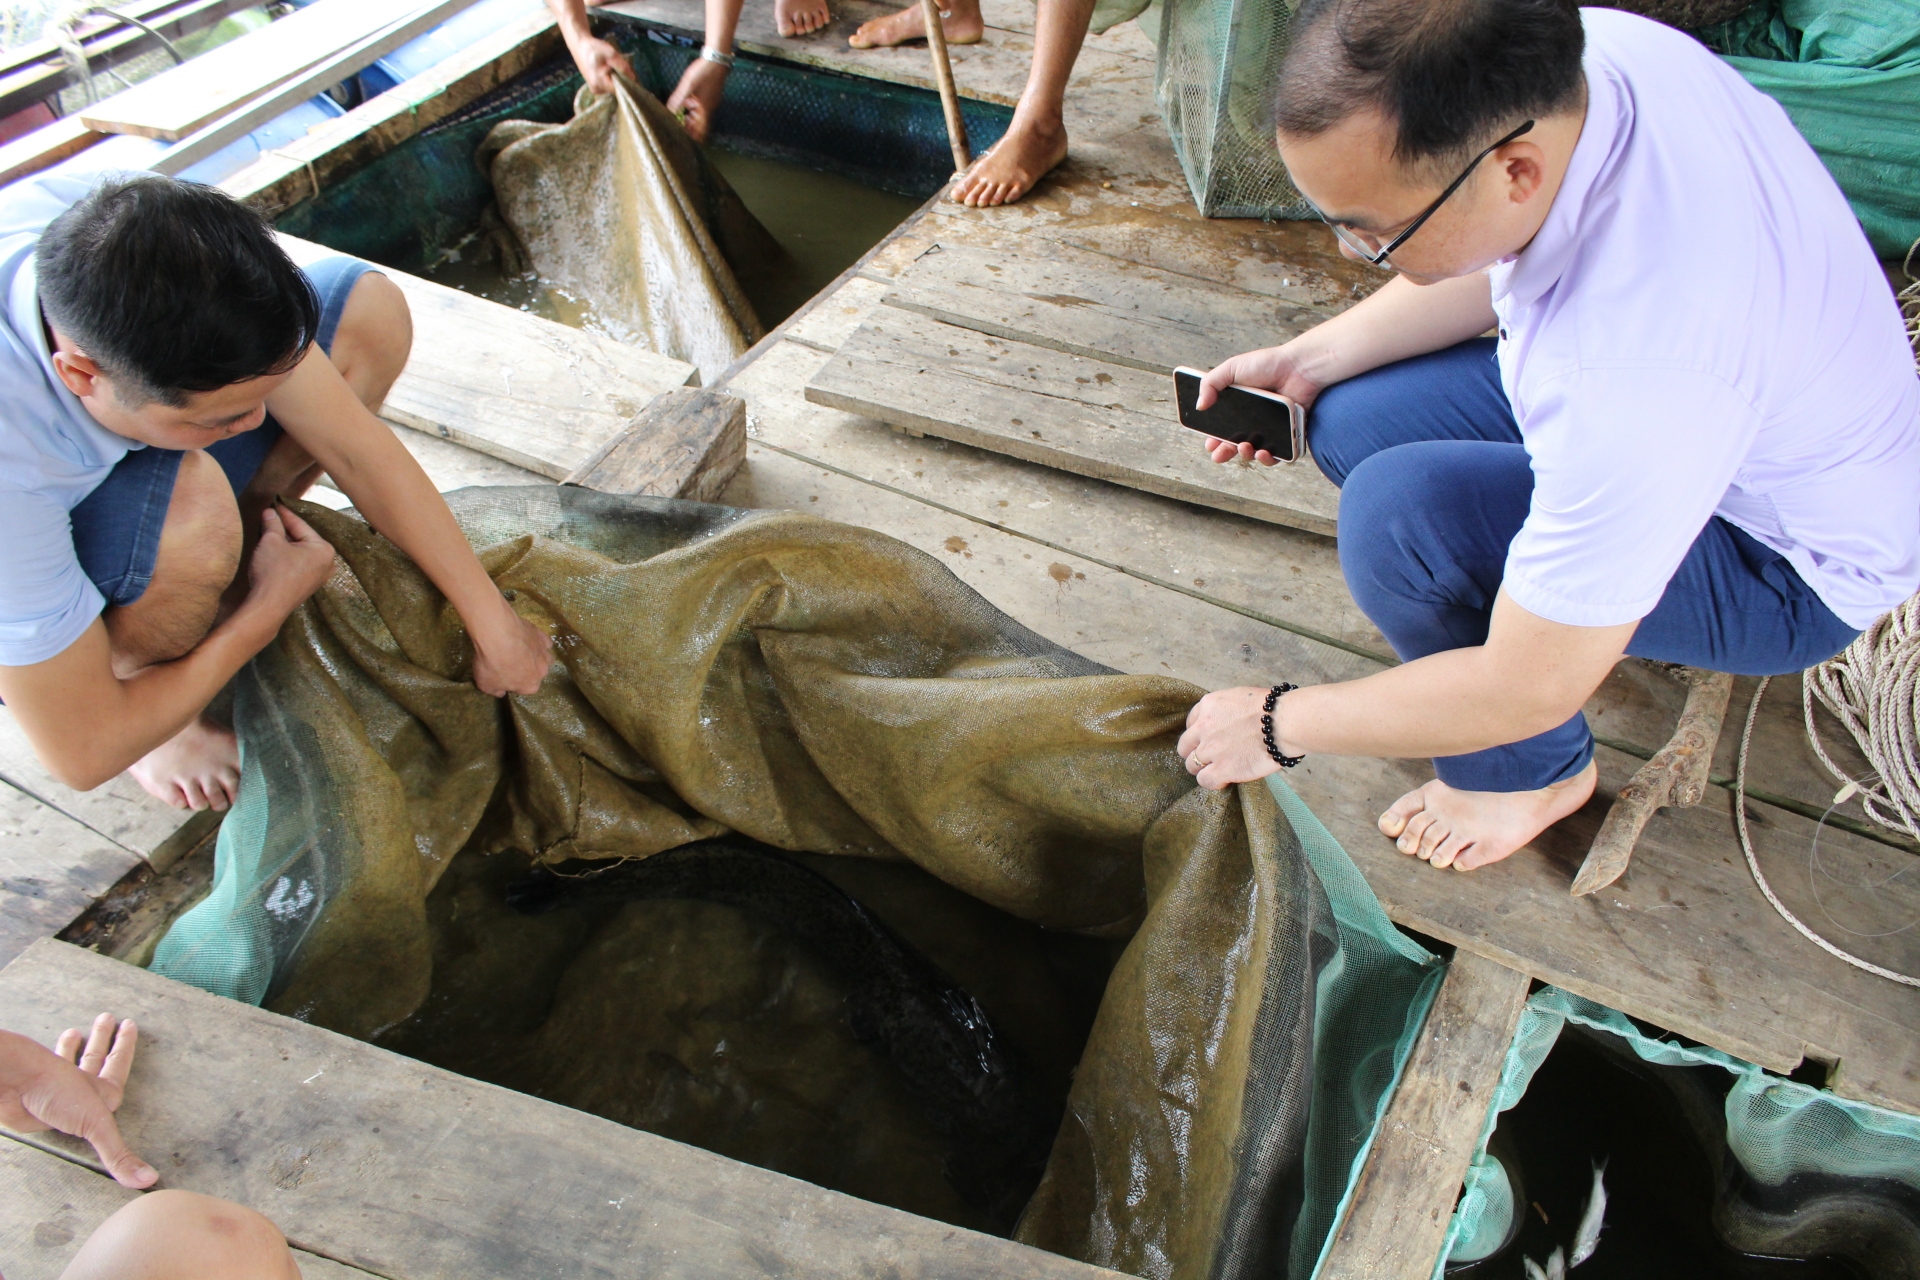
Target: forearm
x,y
1399,320
571,16
1445,704
90,730
722,17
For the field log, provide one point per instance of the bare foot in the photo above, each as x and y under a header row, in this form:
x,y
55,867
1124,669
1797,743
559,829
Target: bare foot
x,y
1468,829
1027,153
198,768
961,24
799,17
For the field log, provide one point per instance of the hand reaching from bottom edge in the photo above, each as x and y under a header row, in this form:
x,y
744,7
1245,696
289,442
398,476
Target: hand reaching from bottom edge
x,y
75,1087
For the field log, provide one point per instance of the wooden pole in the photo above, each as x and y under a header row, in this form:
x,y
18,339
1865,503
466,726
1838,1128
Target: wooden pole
x,y
943,76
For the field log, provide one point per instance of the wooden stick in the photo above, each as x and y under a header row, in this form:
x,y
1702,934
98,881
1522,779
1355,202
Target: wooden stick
x,y
943,76
1676,776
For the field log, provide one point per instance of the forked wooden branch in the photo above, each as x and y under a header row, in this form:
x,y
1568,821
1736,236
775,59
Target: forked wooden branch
x,y
1677,775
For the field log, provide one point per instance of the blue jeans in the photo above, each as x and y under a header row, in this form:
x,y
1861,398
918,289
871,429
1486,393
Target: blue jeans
x,y
1434,484
116,528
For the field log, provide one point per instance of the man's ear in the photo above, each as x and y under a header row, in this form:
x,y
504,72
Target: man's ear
x,y
1524,165
78,372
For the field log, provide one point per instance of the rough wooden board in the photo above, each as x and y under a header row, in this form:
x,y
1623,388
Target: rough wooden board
x,y
686,444
412,1172
178,101
51,867
1404,1197
1094,305
528,391
1685,942
1084,416
45,147
50,1205
119,810
454,466
833,319
285,176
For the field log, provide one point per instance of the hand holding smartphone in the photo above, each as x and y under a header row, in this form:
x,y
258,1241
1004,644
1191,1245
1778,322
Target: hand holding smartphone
x,y
1266,420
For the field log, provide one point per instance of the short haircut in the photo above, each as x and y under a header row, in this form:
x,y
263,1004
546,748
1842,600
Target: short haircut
x,y
1450,75
173,288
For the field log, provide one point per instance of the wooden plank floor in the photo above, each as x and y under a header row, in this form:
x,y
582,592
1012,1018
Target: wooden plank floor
x,y
410,1172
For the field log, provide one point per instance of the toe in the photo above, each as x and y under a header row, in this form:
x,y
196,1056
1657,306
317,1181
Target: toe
x,y
1447,851
1409,841
1394,820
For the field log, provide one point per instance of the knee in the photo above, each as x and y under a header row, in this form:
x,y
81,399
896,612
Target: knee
x,y
198,555
1338,431
374,337
1385,518
179,1235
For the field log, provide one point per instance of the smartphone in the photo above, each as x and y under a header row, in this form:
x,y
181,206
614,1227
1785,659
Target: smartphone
x,y
1245,415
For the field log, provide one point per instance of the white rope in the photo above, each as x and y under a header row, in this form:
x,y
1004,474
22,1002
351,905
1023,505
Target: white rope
x,y
1872,731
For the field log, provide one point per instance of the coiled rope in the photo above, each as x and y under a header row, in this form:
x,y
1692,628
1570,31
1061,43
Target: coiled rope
x,y
1873,688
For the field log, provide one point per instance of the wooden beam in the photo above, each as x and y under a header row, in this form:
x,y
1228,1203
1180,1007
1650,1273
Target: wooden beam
x,y
1071,412
413,1172
528,391
45,147
51,869
1404,1198
686,444
49,1206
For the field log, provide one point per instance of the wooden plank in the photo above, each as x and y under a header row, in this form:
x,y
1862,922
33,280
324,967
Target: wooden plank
x,y
50,1205
525,390
686,444
1080,415
1093,305
175,103
284,177
51,868
1404,1197
120,810
397,1167
454,466
45,147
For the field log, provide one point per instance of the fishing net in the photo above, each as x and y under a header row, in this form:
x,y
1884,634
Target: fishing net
x,y
620,207
1778,1130
830,692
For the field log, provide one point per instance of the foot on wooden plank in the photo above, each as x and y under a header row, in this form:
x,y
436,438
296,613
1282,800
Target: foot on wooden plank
x,y
960,22
1469,829
1028,152
197,768
800,17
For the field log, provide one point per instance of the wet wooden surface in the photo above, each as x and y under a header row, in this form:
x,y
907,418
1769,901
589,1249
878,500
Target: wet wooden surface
x,y
1404,1196
410,1172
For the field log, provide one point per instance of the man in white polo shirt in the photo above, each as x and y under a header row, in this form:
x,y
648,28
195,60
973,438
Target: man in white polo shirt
x,y
166,372
1696,437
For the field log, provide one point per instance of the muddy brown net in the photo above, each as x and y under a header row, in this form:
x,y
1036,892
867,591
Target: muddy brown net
x,y
619,207
743,703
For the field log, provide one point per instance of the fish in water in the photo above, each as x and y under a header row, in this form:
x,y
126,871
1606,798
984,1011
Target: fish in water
x,y
967,1080
1586,1237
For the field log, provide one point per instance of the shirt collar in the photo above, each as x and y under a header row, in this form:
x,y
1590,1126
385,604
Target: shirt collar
x,y
1608,126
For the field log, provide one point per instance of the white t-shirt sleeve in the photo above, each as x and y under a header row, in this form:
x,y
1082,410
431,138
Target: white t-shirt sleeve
x,y
1628,466
46,599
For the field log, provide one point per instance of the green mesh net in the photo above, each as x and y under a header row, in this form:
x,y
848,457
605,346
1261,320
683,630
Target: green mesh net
x,y
832,693
1777,1129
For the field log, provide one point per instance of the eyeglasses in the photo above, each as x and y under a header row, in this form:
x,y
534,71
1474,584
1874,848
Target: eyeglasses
x,y
1352,238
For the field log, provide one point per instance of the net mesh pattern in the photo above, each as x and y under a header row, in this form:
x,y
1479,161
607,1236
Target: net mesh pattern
x,y
828,691
1214,80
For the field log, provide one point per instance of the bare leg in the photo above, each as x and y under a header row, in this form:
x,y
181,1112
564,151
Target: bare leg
x,y
799,17
1468,829
177,1235
1036,141
204,546
961,25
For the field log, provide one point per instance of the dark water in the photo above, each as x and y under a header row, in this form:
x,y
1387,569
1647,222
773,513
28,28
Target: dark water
x,y
823,221
721,1028
1658,1130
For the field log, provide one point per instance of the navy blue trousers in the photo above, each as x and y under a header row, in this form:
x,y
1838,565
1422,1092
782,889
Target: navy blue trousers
x,y
1434,484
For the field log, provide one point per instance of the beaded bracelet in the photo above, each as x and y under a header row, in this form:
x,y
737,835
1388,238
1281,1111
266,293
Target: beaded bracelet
x,y
1266,726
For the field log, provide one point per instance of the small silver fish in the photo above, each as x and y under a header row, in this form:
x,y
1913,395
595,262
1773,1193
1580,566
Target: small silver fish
x,y
1587,1237
1556,1268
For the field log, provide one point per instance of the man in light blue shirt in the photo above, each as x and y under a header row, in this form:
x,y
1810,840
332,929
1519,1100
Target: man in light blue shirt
x,y
166,373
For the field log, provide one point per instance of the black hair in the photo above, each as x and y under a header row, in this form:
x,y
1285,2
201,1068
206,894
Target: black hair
x,y
173,288
1451,75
